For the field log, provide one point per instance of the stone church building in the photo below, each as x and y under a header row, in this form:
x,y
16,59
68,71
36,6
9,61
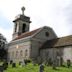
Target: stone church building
x,y
42,43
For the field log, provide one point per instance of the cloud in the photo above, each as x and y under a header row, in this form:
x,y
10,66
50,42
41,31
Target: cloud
x,y
54,13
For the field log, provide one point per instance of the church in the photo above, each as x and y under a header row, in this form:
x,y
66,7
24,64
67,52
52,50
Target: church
x,y
40,44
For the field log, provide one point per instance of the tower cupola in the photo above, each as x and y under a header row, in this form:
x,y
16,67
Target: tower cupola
x,y
21,24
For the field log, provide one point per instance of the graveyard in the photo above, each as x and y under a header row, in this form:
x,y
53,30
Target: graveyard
x,y
30,67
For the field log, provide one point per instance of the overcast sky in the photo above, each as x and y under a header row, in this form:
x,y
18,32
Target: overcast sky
x,y
54,13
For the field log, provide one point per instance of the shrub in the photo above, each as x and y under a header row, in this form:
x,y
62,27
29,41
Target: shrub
x,y
5,65
27,61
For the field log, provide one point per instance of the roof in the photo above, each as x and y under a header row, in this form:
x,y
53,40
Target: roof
x,y
59,42
26,34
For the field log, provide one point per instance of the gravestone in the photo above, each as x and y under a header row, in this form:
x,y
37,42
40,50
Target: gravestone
x,y
1,68
11,61
54,64
23,64
49,61
68,63
20,62
61,61
41,68
13,65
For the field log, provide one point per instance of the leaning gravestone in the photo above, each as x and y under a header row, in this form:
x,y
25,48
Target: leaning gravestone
x,y
1,68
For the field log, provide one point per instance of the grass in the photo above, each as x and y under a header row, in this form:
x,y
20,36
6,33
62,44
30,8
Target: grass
x,y
32,68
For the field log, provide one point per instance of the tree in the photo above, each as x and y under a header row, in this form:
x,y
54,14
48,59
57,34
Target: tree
x,y
3,52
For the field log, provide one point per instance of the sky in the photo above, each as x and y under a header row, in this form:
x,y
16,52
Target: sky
x,y
56,14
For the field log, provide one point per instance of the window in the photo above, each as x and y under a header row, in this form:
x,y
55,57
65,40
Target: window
x,y
47,34
21,53
12,54
26,53
16,53
57,53
15,27
24,26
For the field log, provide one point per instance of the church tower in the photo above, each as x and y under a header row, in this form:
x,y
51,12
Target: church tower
x,y
21,24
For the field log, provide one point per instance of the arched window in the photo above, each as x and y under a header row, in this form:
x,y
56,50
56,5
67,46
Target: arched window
x,y
26,52
21,53
15,27
13,54
16,54
24,26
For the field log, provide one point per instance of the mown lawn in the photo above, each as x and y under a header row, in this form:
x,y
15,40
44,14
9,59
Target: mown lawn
x,y
32,68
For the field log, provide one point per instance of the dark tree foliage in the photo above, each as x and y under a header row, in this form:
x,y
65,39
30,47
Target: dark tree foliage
x,y
3,52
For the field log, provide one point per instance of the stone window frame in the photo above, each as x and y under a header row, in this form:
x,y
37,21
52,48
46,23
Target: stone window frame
x,y
23,27
13,54
16,54
26,53
21,53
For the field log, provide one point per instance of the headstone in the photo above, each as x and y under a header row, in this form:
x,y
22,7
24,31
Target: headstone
x,y
49,61
1,68
54,64
68,63
13,65
23,64
25,61
41,68
61,61
20,62
11,61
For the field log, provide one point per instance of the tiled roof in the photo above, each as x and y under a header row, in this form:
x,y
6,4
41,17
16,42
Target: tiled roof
x,y
63,41
26,34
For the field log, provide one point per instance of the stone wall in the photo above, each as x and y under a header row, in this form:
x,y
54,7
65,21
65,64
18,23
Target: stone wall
x,y
67,53
45,34
19,52
54,53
